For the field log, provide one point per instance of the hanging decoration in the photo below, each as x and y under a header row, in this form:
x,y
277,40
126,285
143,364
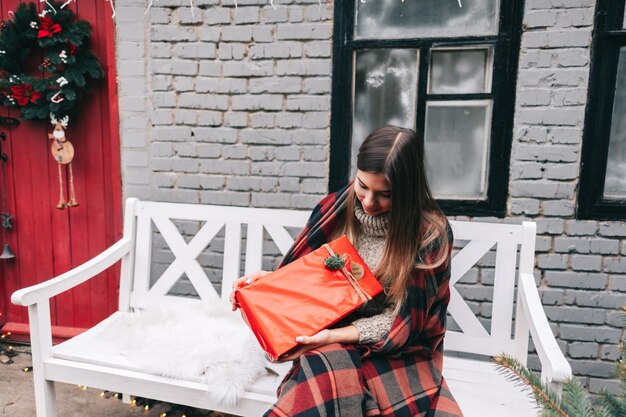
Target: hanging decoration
x,y
65,72
63,152
5,217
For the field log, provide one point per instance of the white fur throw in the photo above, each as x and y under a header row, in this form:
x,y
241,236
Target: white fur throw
x,y
190,340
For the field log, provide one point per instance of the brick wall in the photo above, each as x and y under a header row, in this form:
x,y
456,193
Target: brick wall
x,y
231,106
579,263
236,104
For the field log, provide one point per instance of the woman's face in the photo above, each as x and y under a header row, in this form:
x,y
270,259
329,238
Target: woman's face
x,y
373,191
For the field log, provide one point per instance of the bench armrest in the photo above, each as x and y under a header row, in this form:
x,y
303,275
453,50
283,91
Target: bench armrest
x,y
55,286
554,366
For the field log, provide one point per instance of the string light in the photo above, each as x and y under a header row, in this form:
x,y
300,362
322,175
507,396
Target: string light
x,y
116,395
163,415
146,407
102,394
192,6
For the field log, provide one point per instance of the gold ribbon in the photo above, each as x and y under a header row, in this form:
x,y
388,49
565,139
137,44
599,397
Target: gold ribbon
x,y
351,279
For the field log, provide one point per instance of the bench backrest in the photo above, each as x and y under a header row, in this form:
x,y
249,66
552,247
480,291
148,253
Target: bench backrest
x,y
143,218
481,238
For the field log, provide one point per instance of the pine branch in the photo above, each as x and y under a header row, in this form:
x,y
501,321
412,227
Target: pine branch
x,y
612,404
576,400
542,394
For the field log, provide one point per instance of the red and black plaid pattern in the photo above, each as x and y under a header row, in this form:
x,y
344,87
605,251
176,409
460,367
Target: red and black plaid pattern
x,y
399,376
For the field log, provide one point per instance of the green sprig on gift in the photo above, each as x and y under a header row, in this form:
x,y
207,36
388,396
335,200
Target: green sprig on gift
x,y
334,262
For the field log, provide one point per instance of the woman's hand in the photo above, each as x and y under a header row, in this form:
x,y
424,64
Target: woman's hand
x,y
242,282
345,335
309,343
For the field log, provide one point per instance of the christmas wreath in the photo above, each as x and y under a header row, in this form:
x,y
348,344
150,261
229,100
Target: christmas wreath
x,y
67,65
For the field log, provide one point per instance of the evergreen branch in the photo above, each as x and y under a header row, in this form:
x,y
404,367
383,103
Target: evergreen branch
x,y
576,400
612,404
542,394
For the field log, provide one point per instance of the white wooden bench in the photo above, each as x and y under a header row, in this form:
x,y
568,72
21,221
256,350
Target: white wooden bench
x,y
474,380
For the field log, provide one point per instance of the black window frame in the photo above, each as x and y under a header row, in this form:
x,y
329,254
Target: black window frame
x,y
505,68
608,37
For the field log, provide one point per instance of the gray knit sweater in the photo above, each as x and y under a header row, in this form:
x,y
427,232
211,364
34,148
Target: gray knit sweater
x,y
379,315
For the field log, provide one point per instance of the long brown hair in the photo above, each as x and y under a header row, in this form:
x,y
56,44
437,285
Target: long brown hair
x,y
415,220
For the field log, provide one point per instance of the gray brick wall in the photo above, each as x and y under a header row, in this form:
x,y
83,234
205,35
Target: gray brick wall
x,y
134,91
232,107
228,107
579,266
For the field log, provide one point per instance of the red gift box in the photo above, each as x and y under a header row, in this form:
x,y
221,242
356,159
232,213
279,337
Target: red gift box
x,y
306,296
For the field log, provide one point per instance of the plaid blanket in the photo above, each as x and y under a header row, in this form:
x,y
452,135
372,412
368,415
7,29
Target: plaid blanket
x,y
399,376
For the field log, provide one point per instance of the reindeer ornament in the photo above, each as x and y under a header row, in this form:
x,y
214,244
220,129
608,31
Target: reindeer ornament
x,y
63,152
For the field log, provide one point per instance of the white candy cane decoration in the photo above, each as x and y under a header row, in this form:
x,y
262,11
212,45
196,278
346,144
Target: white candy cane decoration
x,y
112,8
56,98
49,4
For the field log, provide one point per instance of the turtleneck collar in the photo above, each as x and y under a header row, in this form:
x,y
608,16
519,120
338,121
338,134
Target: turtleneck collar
x,y
371,225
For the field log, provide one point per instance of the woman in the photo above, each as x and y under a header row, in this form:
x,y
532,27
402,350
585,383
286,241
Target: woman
x,y
386,358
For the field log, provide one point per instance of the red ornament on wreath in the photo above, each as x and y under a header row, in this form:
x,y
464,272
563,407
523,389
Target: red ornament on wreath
x,y
67,67
24,94
47,28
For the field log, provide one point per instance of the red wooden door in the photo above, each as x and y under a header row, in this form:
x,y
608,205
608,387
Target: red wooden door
x,y
48,241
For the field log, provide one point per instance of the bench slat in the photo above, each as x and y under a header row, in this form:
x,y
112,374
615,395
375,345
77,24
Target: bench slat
x,y
185,259
482,391
281,237
287,218
254,248
503,291
232,256
143,259
499,232
464,317
193,394
467,258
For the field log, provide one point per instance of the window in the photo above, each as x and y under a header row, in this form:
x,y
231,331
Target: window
x,y
602,193
446,68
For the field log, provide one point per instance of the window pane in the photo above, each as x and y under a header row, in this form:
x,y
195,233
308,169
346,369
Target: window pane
x,y
460,71
385,90
615,183
425,18
457,147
